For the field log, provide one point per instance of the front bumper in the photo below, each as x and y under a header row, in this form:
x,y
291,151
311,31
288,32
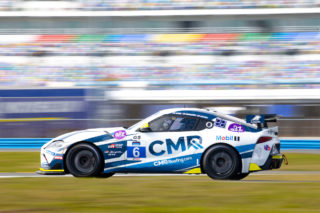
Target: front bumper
x,y
51,171
51,162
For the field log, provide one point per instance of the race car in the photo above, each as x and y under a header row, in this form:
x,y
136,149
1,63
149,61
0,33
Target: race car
x,y
178,140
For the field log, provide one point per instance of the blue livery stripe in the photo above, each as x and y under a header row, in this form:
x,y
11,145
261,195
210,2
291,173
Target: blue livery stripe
x,y
177,164
165,165
246,155
245,148
208,115
99,138
119,163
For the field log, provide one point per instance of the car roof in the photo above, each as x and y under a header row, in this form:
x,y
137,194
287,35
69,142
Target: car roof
x,y
174,110
210,114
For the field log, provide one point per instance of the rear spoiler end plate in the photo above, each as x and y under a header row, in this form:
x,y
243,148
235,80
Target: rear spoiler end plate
x,y
262,119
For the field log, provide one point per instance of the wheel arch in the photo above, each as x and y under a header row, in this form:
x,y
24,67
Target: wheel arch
x,y
218,144
77,143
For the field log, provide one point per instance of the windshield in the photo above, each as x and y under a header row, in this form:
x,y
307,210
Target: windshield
x,y
140,123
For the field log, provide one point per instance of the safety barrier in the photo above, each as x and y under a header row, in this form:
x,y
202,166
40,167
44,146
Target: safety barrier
x,y
36,143
22,143
300,144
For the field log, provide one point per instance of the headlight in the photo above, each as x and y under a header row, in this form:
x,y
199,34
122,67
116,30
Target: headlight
x,y
55,144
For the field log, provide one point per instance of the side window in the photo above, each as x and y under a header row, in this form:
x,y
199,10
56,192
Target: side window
x,y
173,123
204,124
183,124
161,124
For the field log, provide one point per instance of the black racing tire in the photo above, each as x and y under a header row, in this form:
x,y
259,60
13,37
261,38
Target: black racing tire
x,y
239,176
84,160
104,175
221,162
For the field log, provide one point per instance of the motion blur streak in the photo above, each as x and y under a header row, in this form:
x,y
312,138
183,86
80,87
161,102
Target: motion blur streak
x,y
71,64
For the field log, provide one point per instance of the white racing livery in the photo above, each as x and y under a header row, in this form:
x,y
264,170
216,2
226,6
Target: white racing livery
x,y
179,140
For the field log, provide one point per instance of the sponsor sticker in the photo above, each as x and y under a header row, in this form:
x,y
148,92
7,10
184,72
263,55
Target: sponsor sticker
x,y
267,147
112,153
228,138
220,123
115,146
173,146
58,157
119,134
236,128
173,161
115,150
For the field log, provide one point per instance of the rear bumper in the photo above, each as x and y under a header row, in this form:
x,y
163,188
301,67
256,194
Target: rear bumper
x,y
273,162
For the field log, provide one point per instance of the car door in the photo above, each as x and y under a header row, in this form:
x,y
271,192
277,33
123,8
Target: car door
x,y
171,143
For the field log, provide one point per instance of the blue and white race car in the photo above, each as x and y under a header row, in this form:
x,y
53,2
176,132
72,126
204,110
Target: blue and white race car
x,y
179,140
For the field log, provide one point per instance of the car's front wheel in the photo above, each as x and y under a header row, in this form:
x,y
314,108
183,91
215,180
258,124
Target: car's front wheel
x,y
239,176
84,160
221,162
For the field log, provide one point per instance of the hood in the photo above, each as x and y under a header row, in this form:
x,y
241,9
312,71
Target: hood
x,y
114,132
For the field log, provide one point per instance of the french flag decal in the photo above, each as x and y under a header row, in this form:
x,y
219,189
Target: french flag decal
x,y
136,143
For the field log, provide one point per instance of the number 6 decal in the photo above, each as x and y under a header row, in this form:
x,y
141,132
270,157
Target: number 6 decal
x,y
136,152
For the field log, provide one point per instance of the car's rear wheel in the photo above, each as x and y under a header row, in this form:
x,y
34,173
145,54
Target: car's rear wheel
x,y
84,160
221,162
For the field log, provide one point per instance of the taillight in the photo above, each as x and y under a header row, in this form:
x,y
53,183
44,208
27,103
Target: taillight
x,y
264,139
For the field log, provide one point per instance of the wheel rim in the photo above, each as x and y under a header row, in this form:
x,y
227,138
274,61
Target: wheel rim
x,y
222,162
84,161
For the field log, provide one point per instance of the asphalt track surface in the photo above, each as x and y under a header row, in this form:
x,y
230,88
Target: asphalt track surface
x,y
262,173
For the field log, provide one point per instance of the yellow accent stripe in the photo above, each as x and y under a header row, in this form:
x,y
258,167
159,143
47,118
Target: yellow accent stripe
x,y
254,167
30,119
48,170
194,171
277,157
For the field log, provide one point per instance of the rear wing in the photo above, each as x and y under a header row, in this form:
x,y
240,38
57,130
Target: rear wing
x,y
261,120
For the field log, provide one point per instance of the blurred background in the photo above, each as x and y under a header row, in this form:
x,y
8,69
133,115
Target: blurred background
x,y
74,64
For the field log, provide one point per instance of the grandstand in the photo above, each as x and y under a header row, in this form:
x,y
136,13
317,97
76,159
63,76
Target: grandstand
x,y
223,51
157,47
225,72
168,44
215,61
153,4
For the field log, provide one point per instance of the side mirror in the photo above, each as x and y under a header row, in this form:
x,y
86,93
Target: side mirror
x,y
145,128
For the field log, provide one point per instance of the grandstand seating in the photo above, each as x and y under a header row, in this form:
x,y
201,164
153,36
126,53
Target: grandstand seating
x,y
6,4
162,44
244,73
192,4
258,73
153,4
